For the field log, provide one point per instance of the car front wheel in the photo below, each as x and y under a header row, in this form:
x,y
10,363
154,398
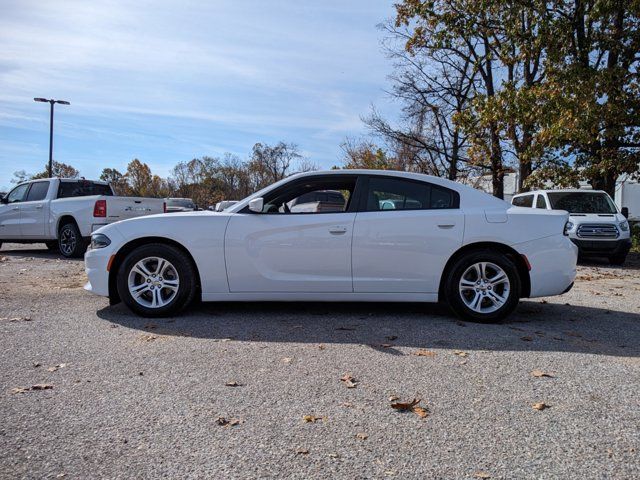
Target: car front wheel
x,y
156,280
483,286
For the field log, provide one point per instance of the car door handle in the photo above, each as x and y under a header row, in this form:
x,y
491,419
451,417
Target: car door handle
x,y
337,230
15,208
446,226
38,207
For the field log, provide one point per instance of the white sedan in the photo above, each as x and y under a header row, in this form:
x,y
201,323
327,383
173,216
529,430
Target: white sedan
x,y
367,235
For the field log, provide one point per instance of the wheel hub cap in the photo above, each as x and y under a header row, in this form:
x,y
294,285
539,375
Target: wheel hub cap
x,y
484,287
153,282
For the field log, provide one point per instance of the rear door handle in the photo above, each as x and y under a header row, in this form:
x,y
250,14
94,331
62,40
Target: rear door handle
x,y
337,230
39,207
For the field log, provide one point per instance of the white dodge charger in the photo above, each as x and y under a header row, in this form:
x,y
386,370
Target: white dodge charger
x,y
354,235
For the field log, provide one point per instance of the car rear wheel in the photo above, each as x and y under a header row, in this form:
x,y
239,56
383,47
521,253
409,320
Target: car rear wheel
x,y
156,280
70,241
483,286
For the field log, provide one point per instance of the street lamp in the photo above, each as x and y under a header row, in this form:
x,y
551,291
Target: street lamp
x,y
51,102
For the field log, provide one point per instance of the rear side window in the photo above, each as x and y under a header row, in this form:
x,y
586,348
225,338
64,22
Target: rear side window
x,y
83,188
38,191
398,194
523,201
541,202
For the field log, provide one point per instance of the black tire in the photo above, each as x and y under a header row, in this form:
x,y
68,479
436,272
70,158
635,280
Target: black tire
x,y
181,265
70,241
52,245
618,259
454,295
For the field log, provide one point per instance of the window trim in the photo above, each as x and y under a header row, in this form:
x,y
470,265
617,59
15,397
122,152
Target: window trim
x,y
455,204
26,193
523,195
353,201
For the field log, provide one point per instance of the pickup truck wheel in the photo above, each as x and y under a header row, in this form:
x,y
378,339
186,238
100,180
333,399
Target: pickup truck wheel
x,y
483,286
156,280
70,242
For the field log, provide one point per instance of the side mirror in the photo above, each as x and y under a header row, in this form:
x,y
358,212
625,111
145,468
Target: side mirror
x,y
256,205
625,212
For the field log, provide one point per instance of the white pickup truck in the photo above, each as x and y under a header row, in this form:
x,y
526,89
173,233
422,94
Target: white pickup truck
x,y
62,213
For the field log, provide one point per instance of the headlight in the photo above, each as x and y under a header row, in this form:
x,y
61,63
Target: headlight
x,y
567,228
98,240
624,226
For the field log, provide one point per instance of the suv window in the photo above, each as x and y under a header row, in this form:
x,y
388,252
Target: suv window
x,y
329,195
541,202
523,201
18,194
397,194
82,188
38,191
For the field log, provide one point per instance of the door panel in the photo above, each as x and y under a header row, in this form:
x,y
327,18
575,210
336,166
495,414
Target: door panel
x,y
32,217
404,250
289,253
10,212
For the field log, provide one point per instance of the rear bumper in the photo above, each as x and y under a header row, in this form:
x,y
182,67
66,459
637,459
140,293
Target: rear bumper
x,y
553,264
603,247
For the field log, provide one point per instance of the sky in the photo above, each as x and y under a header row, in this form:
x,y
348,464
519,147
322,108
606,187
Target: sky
x,y
166,82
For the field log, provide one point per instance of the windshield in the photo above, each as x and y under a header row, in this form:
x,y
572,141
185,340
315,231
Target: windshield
x,y
177,202
582,202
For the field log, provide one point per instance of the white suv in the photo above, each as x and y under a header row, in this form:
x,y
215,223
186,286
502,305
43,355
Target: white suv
x,y
595,224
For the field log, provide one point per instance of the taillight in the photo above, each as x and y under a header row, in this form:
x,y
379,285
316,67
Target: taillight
x,y
164,207
100,208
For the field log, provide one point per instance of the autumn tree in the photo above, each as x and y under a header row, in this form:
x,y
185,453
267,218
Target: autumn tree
x,y
116,179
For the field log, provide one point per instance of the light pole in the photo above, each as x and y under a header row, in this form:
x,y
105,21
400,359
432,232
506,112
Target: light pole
x,y
51,102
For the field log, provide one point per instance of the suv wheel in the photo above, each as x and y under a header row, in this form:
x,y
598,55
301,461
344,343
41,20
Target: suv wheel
x,y
483,286
156,280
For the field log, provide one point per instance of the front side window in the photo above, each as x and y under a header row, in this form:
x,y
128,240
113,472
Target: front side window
x,y
541,202
38,191
523,201
18,194
398,194
312,196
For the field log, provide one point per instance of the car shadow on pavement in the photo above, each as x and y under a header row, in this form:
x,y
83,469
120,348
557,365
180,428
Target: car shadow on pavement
x,y
534,326
42,253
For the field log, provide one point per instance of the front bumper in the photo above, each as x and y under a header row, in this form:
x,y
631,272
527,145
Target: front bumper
x,y
603,247
96,262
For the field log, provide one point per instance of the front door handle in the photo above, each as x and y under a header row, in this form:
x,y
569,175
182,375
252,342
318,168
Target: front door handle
x,y
446,226
15,208
337,230
38,207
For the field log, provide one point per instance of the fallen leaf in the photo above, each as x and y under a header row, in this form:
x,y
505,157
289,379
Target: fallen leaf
x,y
42,386
228,423
16,319
56,367
321,347
421,411
148,337
393,398
386,345
362,436
540,406
233,383
483,475
20,390
411,406
460,353
36,364
302,451
539,374
287,360
310,418
463,362
349,381
424,353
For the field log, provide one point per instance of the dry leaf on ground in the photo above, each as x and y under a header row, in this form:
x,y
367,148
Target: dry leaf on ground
x,y
302,451
540,406
424,353
460,353
411,406
228,422
362,436
482,475
56,367
233,383
310,418
539,374
349,381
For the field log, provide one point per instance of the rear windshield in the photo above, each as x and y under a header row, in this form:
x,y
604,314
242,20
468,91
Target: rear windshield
x,y
582,202
175,202
83,188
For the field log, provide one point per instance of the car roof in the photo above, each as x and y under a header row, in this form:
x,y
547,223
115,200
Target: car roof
x,y
560,190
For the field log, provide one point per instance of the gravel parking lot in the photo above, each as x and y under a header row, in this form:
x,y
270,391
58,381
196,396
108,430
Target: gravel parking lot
x,y
255,390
